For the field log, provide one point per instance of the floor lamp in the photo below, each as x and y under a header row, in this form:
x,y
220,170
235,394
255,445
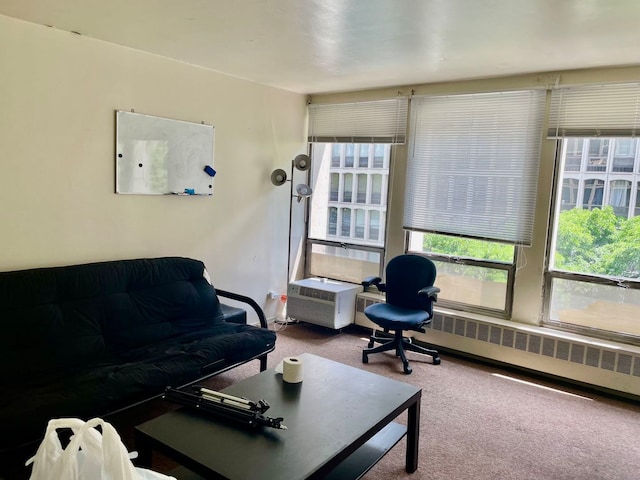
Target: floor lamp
x,y
301,162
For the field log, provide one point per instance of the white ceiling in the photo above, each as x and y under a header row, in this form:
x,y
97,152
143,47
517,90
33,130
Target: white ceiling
x,y
319,46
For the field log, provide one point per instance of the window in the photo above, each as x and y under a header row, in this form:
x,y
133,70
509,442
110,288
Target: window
x,y
379,155
471,190
573,155
362,188
593,273
335,155
347,242
624,155
598,153
596,250
345,231
350,246
363,157
619,196
593,194
348,155
472,273
376,189
569,193
335,187
347,189
333,221
374,225
359,231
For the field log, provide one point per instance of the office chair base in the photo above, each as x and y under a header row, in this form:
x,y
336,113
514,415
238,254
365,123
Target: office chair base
x,y
400,345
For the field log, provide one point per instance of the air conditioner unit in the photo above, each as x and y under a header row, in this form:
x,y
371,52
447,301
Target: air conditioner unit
x,y
322,302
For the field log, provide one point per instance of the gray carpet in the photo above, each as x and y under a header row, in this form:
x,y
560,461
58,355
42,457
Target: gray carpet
x,y
482,422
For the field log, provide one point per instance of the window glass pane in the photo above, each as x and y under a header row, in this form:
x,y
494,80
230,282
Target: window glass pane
x,y
619,196
376,189
346,222
348,155
569,193
471,285
359,232
379,156
335,154
591,305
363,158
362,188
374,225
462,247
482,286
347,264
335,187
624,155
573,158
593,193
637,210
347,189
333,221
598,152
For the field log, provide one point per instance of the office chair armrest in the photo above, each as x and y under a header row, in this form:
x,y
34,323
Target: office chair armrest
x,y
373,280
431,292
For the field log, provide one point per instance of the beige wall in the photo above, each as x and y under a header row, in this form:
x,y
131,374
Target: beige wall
x,y
58,97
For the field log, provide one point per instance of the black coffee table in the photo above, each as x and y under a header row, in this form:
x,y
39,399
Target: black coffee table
x,y
339,419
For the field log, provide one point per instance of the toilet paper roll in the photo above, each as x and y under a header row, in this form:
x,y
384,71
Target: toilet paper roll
x,y
292,370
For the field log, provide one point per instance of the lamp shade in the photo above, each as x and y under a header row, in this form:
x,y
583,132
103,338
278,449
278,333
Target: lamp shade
x,y
302,162
278,177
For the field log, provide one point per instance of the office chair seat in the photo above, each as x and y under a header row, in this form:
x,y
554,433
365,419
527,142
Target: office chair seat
x,y
393,317
409,297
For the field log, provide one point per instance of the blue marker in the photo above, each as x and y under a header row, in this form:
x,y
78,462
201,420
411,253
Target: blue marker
x,y
189,191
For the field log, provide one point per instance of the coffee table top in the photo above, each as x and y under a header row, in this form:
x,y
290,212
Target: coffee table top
x,y
335,410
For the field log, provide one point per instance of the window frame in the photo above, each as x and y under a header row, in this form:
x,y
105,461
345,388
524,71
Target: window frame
x,y
509,268
356,171
550,274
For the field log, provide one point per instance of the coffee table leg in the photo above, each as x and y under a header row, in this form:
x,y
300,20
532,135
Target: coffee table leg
x,y
413,434
144,451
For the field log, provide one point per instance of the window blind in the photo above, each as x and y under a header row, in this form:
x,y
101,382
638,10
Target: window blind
x,y
595,110
473,165
377,121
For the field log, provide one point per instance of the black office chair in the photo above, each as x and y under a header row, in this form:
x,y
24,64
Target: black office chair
x,y
410,295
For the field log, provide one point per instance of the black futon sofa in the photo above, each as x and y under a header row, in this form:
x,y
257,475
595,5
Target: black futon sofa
x,y
89,340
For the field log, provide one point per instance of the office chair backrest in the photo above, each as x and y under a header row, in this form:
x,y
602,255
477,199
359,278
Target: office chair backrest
x,y
405,276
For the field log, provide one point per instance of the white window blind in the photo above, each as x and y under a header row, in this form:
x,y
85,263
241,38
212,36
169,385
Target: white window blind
x,y
473,165
377,121
595,110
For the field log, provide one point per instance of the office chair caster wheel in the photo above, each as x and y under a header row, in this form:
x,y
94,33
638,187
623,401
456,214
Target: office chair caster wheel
x,y
365,359
436,361
407,369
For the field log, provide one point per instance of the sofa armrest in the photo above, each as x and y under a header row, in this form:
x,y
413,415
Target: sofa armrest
x,y
248,300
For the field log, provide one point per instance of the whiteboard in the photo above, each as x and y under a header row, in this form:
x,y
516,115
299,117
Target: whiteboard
x,y
161,156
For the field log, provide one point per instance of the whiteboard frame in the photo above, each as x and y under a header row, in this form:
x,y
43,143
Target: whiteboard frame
x,y
162,156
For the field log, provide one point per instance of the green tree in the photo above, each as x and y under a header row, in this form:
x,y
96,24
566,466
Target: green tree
x,y
621,258
597,242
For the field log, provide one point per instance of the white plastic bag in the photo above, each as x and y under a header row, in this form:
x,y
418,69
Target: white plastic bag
x,y
88,456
